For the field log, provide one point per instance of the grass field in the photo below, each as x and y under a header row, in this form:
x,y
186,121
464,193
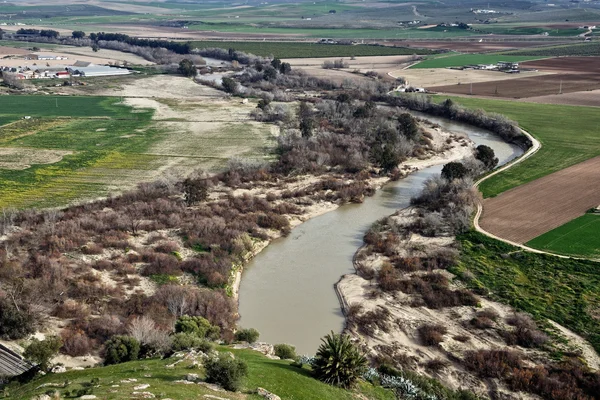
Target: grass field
x,y
564,290
579,237
90,147
568,135
16,107
276,376
460,60
310,50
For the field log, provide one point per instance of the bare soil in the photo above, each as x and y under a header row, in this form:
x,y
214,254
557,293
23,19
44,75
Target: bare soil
x,y
589,98
470,45
530,210
554,76
581,65
437,78
524,87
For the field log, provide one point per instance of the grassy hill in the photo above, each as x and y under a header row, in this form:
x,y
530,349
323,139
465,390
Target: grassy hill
x,y
277,376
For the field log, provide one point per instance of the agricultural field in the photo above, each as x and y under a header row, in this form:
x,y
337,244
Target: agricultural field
x,y
92,146
530,210
310,50
566,291
578,237
578,49
460,60
568,135
538,78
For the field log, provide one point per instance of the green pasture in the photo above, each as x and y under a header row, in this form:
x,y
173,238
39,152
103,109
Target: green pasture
x,y
568,135
564,290
277,376
310,50
579,237
16,107
459,60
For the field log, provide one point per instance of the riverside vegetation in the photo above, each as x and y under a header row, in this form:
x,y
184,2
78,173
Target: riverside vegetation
x,y
102,254
411,273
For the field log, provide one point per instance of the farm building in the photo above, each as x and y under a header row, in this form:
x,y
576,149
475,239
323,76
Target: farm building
x,y
12,364
97,70
502,65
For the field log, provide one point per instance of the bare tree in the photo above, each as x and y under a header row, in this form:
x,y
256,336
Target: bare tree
x,y
144,329
12,80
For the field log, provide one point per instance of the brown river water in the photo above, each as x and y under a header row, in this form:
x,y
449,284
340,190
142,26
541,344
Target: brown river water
x,y
287,290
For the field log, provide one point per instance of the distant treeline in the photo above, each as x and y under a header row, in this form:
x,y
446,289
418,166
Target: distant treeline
x,y
175,47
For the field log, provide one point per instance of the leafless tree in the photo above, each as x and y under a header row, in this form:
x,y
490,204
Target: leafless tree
x,y
11,80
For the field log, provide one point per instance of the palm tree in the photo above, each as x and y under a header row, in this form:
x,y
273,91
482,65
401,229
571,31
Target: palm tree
x,y
338,361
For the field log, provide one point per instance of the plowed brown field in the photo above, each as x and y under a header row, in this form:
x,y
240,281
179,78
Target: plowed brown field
x,y
527,86
527,211
561,75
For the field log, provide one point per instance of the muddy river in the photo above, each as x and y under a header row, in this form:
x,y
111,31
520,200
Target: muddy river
x,y
287,290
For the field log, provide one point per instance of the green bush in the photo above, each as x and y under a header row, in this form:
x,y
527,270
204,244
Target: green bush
x,y
15,323
121,349
247,335
198,326
188,341
41,352
226,371
285,351
338,361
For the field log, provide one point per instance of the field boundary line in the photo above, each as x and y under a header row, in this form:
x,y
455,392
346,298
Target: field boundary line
x,y
536,146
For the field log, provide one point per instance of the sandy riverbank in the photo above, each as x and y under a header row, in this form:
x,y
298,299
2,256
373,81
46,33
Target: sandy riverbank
x,y
447,147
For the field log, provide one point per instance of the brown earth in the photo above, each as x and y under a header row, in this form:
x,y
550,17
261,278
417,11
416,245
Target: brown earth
x,y
589,98
576,65
472,45
530,210
4,50
577,74
526,87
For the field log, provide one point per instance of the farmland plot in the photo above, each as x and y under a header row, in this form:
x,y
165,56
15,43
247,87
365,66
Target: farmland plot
x,y
533,209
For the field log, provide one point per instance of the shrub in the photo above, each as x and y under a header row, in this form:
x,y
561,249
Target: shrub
x,y
15,323
121,349
41,352
338,361
75,342
454,170
188,341
436,365
198,326
249,335
432,335
486,155
492,363
226,371
285,351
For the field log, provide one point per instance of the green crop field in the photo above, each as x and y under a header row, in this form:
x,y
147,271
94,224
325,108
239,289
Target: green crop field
x,y
71,151
564,290
579,237
16,107
310,50
568,135
276,376
460,60
89,147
